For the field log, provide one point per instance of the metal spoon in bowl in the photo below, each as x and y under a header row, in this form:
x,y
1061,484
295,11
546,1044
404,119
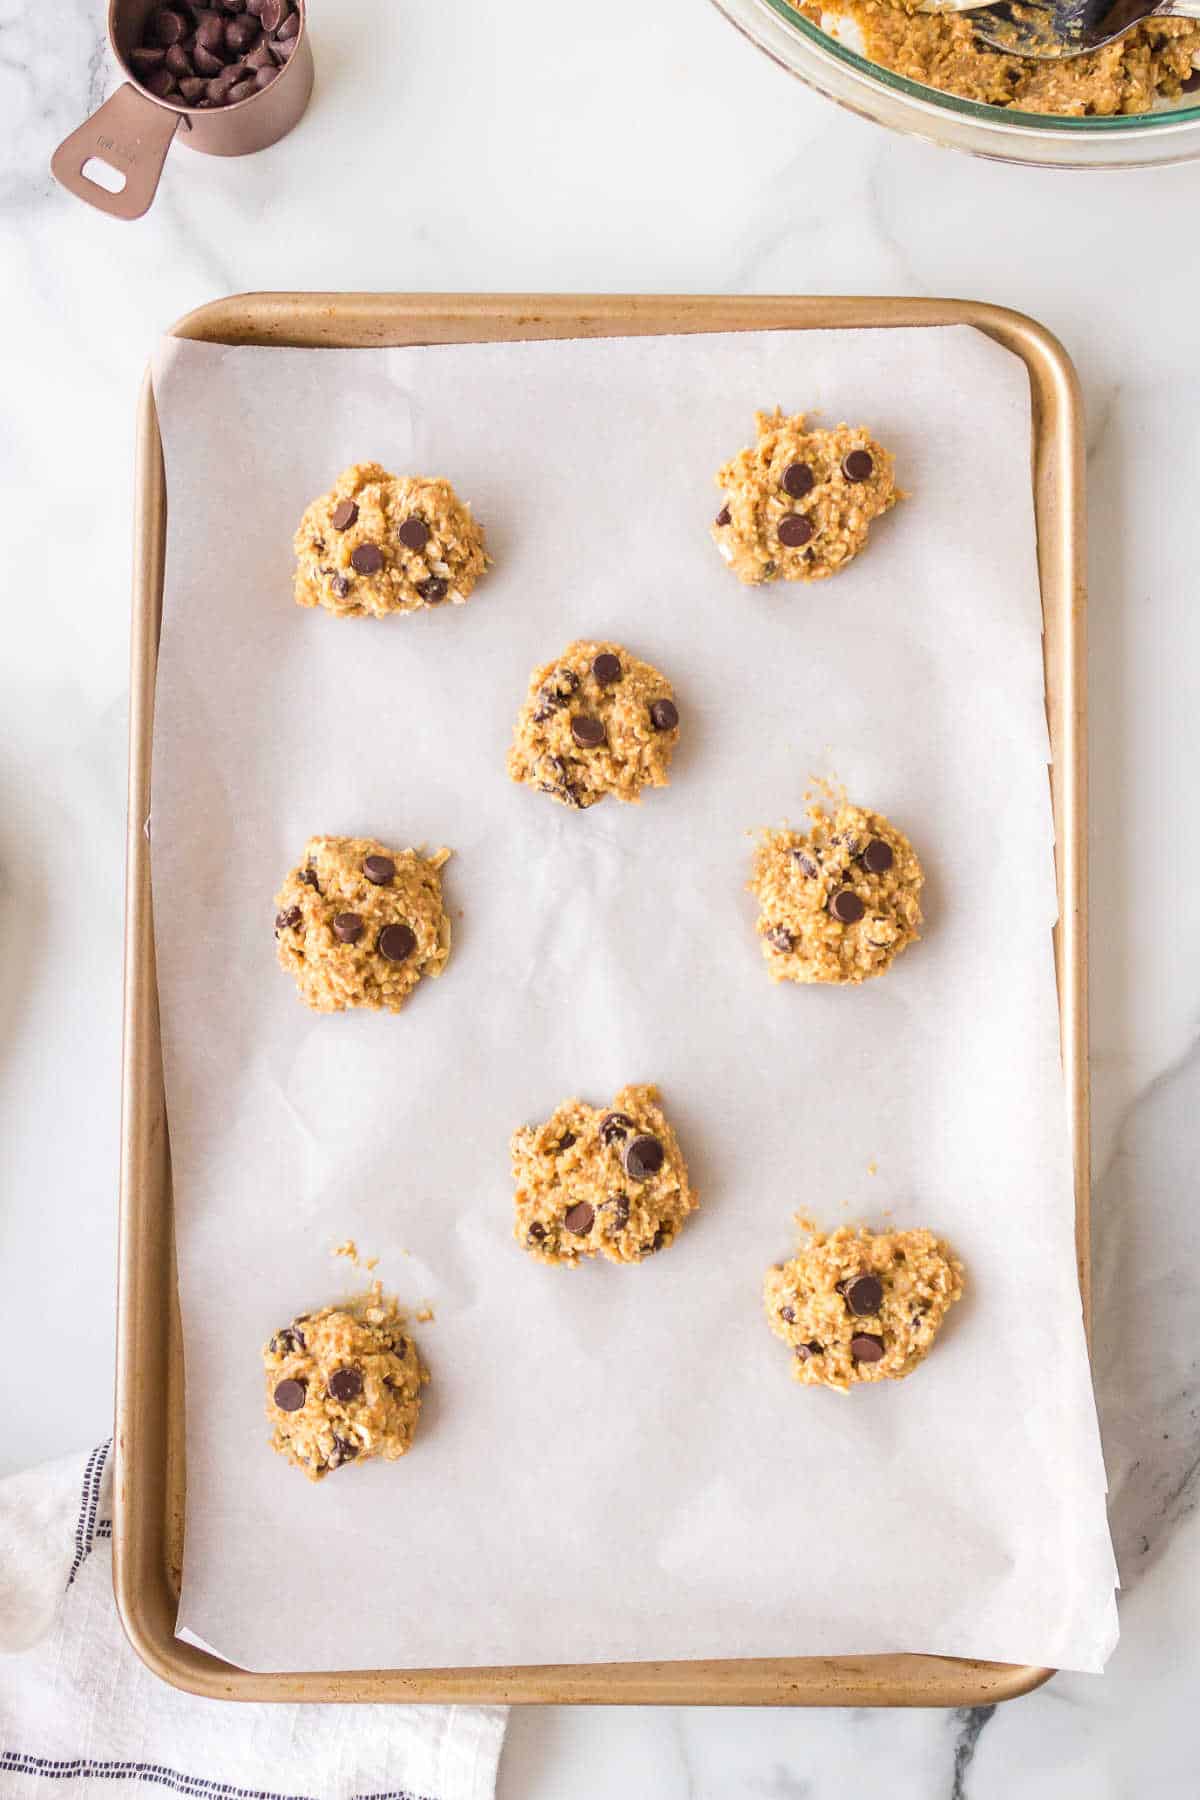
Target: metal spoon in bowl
x,y
1048,29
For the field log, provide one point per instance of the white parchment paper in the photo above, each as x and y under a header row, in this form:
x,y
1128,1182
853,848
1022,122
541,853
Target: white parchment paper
x,y
615,1463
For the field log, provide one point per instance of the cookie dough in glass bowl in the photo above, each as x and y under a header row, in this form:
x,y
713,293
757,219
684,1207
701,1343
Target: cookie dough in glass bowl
x,y
1060,118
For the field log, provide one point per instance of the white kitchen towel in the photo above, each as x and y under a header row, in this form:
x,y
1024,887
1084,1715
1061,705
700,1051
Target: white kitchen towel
x,y
80,1715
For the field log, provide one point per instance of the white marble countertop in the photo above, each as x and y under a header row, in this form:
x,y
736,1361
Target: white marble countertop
x,y
619,147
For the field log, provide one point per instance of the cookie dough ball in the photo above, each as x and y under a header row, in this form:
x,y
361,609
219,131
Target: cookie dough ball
x,y
343,1385
600,1182
358,924
380,543
797,505
840,901
596,721
858,1307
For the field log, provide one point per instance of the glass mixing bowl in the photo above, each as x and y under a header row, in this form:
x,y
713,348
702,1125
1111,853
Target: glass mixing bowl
x,y
1128,141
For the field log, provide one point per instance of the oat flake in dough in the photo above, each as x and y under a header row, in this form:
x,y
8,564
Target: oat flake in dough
x,y
855,1306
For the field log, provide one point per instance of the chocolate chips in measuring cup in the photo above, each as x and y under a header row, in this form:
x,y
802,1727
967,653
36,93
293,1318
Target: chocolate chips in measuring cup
x,y
207,56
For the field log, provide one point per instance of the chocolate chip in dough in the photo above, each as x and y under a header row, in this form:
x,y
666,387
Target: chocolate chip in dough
x,y
433,589
290,1395
343,1451
606,668
309,877
537,1232
798,480
347,927
846,907
664,715
617,1205
808,864
367,558
866,1349
857,465
588,731
345,1384
379,870
580,1218
397,943
804,1351
723,517
794,530
643,1157
564,1142
788,1313
284,921
614,1126
877,858
340,585
413,534
780,938
863,1294
344,515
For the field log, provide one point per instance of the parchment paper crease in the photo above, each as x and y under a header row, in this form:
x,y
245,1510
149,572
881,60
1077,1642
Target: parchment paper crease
x,y
614,1463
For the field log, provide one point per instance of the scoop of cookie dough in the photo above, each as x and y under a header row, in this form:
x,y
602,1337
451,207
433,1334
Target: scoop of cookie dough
x,y
855,1307
839,901
380,543
797,505
596,721
358,924
343,1384
593,1181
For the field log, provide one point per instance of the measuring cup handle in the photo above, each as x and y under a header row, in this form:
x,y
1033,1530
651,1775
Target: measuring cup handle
x,y
132,136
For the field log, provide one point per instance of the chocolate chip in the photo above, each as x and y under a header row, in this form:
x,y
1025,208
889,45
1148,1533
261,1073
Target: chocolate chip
x,y
193,87
284,921
241,90
413,534
343,1451
863,1294
168,27
340,585
345,1384
178,60
565,1142
788,1313
147,57
607,668
642,1158
347,928
614,1126
290,27
433,589
812,1348
397,943
309,877
1190,83
205,62
290,1395
260,58
798,480
580,1218
272,13
560,782
210,31
664,715
367,558
846,907
587,730
780,938
281,47
240,34
618,1206
723,517
857,465
661,1237
877,857
808,865
160,83
344,515
264,77
379,870
537,1232
794,530
866,1349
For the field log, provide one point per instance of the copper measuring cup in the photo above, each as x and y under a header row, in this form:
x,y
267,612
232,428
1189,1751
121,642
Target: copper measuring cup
x,y
134,129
